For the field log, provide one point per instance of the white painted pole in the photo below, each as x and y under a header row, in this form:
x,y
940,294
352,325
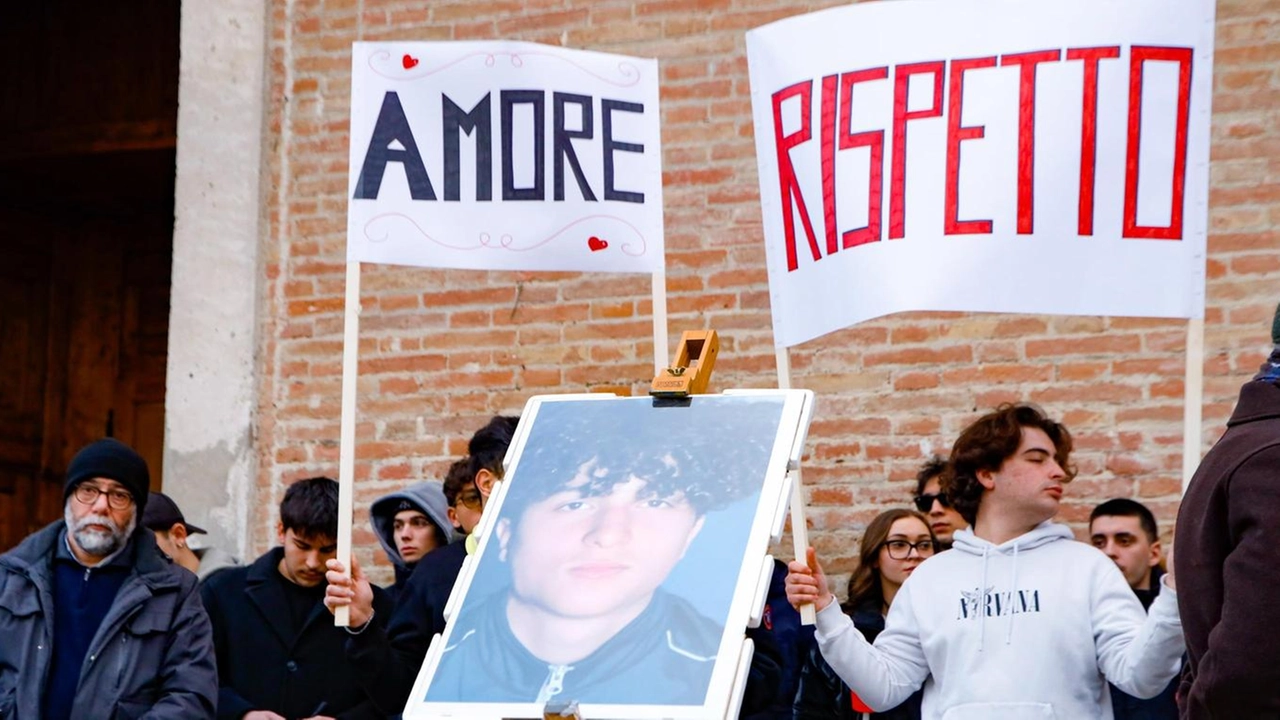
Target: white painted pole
x,y
799,523
661,353
347,428
1193,400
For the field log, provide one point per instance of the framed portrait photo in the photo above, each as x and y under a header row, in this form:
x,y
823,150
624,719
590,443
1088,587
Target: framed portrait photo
x,y
620,559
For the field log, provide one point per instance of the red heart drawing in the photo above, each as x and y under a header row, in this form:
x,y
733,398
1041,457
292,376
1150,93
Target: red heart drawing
x,y
408,61
596,244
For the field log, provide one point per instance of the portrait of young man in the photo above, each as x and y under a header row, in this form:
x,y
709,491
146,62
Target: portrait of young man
x,y
581,593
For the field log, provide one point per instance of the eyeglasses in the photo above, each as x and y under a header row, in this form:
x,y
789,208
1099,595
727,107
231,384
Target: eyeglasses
x,y
924,501
470,497
116,499
901,549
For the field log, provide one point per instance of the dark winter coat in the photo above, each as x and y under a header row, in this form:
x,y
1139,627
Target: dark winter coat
x,y
781,646
386,662
822,695
152,655
263,664
1227,550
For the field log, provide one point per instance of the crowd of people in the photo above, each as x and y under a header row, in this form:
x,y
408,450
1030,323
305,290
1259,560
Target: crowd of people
x,y
971,603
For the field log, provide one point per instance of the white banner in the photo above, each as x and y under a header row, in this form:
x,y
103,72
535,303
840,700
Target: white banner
x,y
983,155
504,156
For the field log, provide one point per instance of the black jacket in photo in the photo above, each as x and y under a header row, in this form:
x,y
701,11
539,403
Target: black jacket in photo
x,y
663,657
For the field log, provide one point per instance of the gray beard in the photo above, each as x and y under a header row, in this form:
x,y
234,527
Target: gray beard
x,y
98,544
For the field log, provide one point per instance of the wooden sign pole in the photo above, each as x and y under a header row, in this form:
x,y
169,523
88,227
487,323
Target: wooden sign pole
x,y
659,321
799,523
347,428
1193,398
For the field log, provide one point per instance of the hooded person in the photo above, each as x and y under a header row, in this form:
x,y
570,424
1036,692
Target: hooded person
x,y
409,524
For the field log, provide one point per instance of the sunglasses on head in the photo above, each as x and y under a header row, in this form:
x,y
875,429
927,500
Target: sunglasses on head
x,y
924,502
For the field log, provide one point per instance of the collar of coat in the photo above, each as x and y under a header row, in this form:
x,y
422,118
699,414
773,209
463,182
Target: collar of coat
x,y
34,556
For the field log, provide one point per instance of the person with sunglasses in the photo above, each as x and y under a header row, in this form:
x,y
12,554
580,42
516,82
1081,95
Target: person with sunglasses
x,y
944,520
894,545
1018,620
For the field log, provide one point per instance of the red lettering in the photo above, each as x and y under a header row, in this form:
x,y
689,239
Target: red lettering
x,y
873,139
1138,55
787,181
1027,130
898,169
1089,127
956,134
830,84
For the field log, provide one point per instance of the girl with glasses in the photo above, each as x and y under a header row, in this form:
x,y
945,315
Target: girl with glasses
x,y
894,545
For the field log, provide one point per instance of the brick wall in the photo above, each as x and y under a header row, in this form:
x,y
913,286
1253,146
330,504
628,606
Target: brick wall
x,y
441,351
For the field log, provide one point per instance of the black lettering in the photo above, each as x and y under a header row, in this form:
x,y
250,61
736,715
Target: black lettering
x,y
393,126
536,98
607,108
478,121
562,143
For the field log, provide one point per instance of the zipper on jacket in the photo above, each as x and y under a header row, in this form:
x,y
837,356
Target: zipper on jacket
x,y
554,684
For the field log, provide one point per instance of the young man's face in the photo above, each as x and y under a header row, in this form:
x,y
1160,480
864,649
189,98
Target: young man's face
x,y
1124,541
414,533
305,556
943,519
1029,484
592,557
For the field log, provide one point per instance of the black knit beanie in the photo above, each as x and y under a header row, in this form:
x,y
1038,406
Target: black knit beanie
x,y
109,458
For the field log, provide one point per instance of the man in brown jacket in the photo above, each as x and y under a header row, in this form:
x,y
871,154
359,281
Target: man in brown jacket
x,y
1228,547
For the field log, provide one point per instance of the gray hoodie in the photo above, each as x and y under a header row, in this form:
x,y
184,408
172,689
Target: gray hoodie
x,y
427,497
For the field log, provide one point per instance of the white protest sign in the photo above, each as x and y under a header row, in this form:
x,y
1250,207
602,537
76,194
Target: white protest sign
x,y
504,156
983,155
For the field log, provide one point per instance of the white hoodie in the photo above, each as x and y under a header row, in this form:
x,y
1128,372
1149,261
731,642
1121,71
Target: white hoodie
x,y
1031,629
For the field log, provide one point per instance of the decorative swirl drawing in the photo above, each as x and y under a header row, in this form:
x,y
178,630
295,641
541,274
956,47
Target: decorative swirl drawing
x,y
382,63
634,247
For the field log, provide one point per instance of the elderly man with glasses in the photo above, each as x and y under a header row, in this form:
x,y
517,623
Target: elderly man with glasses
x,y
96,622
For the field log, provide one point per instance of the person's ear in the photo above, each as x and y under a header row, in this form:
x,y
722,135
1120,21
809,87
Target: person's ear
x,y
280,532
485,480
453,518
503,531
1156,554
987,478
178,533
693,533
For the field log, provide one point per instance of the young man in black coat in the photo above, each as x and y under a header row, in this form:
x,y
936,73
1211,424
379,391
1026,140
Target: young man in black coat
x,y
279,654
387,661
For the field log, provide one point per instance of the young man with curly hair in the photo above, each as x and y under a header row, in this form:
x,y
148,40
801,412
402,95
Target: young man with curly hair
x,y
574,602
1019,620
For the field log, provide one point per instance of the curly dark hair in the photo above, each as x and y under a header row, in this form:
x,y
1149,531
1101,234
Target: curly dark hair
x,y
932,468
988,442
864,583
715,450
